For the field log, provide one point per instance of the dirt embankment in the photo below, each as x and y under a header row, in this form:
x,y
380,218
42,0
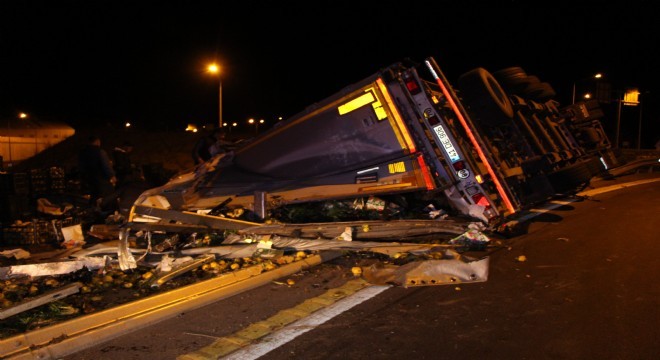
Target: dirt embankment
x,y
171,150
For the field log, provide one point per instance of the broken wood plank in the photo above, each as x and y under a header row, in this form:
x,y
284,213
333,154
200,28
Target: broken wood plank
x,y
46,298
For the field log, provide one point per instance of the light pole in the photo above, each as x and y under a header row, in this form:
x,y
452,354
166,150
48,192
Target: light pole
x,y
639,129
618,120
596,76
252,122
215,69
256,123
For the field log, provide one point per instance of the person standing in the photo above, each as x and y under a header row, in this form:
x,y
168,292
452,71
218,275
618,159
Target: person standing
x,y
96,173
221,145
202,150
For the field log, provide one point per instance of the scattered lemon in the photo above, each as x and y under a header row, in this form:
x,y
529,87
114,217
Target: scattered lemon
x,y
356,270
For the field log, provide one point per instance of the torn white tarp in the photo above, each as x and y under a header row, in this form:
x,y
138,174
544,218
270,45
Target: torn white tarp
x,y
428,272
124,256
16,253
54,268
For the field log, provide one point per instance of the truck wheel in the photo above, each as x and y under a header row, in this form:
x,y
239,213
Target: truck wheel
x,y
540,92
520,84
570,177
595,166
514,72
485,96
591,135
509,77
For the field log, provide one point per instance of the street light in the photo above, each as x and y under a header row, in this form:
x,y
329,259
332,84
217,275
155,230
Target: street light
x,y
596,76
215,69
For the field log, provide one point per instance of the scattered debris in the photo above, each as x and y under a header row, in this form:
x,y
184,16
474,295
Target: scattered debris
x,y
454,270
180,269
41,300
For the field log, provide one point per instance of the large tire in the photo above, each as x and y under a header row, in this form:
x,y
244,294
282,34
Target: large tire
x,y
485,97
571,177
514,72
520,85
541,92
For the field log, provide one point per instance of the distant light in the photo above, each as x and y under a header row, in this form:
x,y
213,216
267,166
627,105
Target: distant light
x,y
213,68
587,96
261,121
598,76
22,115
127,124
251,121
191,127
631,97
234,124
279,118
224,124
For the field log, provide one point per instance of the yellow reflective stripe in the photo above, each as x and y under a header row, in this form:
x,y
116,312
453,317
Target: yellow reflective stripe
x,y
402,135
356,103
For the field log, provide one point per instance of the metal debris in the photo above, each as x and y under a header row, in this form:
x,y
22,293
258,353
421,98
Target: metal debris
x,y
181,269
126,259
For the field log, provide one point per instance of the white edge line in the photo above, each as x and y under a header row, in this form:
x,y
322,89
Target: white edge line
x,y
556,203
615,187
295,329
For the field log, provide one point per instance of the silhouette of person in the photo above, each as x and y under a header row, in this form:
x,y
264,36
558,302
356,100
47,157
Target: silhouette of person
x,y
202,150
96,173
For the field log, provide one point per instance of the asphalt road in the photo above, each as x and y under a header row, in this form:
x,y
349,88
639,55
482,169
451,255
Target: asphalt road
x,y
587,290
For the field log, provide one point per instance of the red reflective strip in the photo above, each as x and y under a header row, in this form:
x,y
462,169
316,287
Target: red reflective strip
x,y
473,139
428,179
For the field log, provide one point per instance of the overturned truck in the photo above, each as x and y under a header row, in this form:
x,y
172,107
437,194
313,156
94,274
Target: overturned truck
x,y
486,149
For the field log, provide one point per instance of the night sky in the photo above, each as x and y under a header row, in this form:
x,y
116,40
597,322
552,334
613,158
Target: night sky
x,y
107,62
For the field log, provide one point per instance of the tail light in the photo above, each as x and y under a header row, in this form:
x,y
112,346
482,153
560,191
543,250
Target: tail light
x,y
481,200
413,86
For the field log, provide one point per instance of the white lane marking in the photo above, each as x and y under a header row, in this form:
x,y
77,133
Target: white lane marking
x,y
295,329
605,189
536,212
557,203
